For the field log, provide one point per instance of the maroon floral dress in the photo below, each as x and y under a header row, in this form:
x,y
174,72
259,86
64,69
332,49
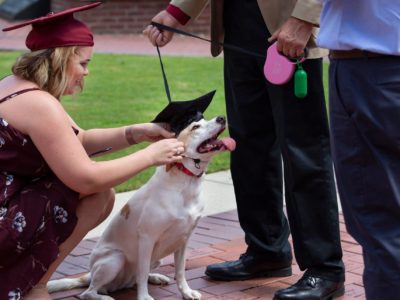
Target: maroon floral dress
x,y
37,212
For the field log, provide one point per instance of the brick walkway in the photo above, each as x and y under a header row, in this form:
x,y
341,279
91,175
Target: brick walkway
x,y
217,238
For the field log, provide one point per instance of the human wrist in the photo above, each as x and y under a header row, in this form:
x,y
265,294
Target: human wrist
x,y
147,157
129,135
176,13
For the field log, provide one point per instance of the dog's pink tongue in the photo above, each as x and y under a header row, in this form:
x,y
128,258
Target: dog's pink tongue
x,y
229,143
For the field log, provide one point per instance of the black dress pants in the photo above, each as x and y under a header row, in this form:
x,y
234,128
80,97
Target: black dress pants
x,y
271,125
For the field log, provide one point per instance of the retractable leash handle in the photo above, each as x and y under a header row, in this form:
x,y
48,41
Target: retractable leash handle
x,y
278,69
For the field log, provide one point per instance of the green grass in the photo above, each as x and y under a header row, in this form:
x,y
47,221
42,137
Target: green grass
x,y
127,89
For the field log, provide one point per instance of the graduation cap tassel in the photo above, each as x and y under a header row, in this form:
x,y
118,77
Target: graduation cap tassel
x,y
164,77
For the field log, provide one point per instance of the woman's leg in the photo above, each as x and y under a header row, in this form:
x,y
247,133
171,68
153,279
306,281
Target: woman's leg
x,y
88,218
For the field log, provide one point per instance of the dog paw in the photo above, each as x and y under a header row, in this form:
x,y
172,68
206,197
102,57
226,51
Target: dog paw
x,y
145,297
94,296
159,279
191,295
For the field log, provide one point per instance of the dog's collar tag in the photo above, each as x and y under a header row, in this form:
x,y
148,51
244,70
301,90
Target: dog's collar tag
x,y
185,170
196,162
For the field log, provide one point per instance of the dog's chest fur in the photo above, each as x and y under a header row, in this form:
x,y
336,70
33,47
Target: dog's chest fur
x,y
167,207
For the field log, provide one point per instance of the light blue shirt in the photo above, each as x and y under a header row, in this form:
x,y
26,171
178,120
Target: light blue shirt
x,y
361,24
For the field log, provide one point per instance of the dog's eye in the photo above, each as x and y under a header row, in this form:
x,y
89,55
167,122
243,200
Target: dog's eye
x,y
195,127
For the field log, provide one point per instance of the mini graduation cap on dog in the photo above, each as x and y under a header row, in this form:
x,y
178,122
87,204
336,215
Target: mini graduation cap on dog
x,y
179,114
58,30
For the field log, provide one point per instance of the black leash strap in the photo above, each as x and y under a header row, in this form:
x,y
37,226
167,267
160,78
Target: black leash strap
x,y
171,29
224,45
164,77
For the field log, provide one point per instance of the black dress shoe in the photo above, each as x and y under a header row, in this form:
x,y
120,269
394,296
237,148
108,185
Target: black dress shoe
x,y
248,266
310,288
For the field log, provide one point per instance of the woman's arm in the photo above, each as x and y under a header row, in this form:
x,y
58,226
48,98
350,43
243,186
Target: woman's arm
x,y
94,140
51,131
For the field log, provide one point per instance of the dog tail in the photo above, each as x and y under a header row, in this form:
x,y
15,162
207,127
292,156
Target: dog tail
x,y
68,283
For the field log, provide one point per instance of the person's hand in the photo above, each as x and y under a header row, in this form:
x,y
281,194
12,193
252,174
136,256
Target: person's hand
x,y
165,151
292,37
157,37
150,132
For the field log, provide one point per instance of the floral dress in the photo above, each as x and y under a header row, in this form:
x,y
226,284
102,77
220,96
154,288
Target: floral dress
x,y
37,212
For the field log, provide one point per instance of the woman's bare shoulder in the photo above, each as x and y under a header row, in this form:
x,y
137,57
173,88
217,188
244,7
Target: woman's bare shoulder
x,y
12,84
31,106
40,107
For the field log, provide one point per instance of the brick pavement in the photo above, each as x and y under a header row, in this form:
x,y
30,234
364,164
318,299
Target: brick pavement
x,y
217,238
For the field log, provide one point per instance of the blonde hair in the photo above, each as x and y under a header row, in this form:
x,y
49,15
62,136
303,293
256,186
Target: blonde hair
x,y
47,68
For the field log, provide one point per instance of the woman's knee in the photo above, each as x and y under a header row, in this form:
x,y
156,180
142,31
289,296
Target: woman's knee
x,y
108,203
105,200
98,205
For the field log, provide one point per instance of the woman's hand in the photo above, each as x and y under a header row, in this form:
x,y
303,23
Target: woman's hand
x,y
149,132
165,151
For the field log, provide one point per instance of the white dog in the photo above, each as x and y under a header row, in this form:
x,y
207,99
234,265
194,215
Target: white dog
x,y
157,221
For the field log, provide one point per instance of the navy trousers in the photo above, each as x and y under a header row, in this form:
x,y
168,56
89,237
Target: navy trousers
x,y
269,123
365,125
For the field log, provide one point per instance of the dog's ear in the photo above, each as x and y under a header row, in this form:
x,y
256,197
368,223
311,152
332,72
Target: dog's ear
x,y
184,136
168,167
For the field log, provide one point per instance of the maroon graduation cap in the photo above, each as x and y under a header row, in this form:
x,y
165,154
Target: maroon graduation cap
x,y
58,30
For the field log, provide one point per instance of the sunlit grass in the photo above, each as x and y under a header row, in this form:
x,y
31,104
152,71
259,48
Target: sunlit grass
x,y
126,89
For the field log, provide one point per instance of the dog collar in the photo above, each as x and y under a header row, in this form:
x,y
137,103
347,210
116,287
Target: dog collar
x,y
185,170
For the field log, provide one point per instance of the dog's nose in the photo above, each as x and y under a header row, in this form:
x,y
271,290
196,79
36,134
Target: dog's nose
x,y
221,120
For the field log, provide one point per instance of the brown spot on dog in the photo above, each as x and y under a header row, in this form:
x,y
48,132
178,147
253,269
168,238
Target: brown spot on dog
x,y
82,280
125,211
184,135
168,167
